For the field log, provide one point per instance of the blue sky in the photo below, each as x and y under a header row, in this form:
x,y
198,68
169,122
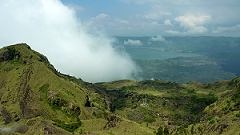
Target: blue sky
x,y
160,17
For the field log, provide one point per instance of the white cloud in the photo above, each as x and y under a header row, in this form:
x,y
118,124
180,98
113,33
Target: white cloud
x,y
193,23
133,42
102,16
99,21
107,23
155,14
228,30
158,38
76,7
159,1
140,1
168,22
53,29
173,32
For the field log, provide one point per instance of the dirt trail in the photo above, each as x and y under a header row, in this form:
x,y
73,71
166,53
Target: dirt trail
x,y
25,92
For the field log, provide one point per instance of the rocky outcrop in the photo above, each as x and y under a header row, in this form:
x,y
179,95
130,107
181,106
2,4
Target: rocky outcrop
x,y
9,54
5,115
113,120
63,105
88,102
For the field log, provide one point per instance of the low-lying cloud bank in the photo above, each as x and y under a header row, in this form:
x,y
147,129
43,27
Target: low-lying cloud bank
x,y
132,42
53,29
158,38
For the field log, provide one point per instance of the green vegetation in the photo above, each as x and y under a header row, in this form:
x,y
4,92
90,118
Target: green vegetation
x,y
35,98
35,95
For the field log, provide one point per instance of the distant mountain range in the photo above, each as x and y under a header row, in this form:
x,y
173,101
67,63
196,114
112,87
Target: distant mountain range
x,y
36,99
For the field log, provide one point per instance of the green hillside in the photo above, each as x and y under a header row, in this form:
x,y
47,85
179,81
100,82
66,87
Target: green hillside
x,y
37,99
173,108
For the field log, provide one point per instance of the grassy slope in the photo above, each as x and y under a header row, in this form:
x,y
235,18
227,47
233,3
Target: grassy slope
x,y
190,108
223,116
36,98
